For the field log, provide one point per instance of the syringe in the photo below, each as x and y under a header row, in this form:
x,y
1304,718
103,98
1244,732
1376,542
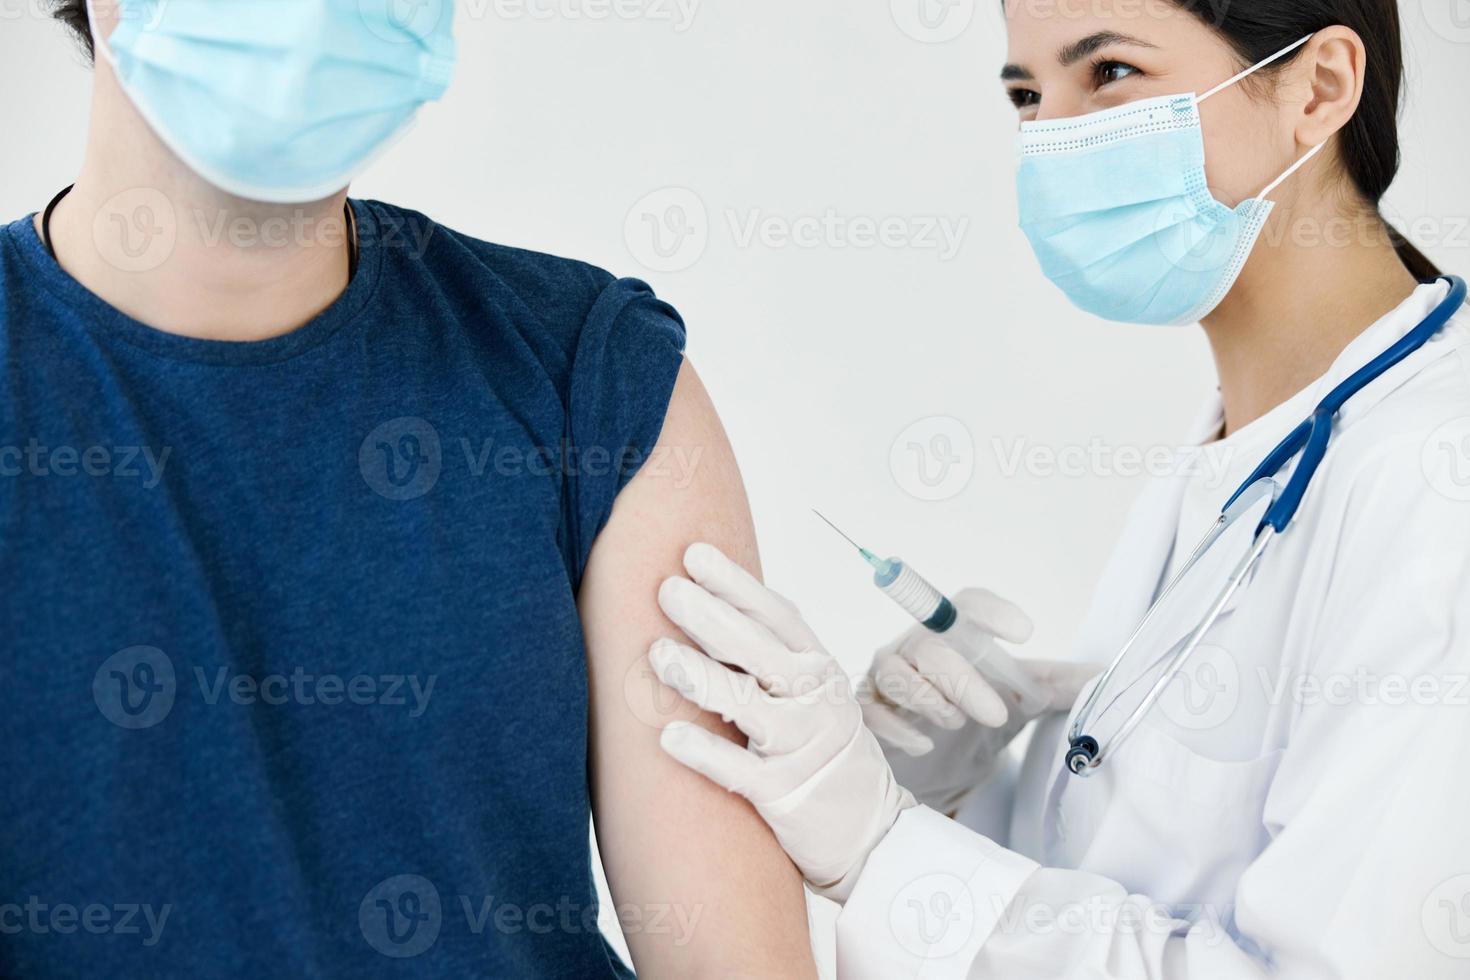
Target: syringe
x,y
936,612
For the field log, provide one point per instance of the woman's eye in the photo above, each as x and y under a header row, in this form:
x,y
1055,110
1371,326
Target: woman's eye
x,y
1108,72
1023,98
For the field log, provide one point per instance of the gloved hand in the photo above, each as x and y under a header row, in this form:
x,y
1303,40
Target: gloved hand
x,y
945,726
812,769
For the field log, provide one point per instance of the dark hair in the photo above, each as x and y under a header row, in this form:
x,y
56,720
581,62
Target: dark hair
x,y
1369,144
73,13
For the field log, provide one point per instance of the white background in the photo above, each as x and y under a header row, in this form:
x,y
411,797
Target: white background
x,y
564,132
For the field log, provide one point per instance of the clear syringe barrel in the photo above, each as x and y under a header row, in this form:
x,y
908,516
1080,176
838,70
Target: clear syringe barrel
x,y
930,607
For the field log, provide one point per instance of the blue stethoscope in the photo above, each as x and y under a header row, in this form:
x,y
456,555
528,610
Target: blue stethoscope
x,y
1087,751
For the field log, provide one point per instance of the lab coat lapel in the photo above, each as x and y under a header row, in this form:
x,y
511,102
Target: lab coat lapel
x,y
1129,584
1135,572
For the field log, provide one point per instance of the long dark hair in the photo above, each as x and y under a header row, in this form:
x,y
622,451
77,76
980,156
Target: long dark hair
x,y
73,13
1369,144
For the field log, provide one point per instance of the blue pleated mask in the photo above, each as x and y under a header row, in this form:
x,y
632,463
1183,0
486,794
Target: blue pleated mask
x,y
283,101
1118,210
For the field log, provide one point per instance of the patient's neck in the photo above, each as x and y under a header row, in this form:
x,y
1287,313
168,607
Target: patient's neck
x,y
153,240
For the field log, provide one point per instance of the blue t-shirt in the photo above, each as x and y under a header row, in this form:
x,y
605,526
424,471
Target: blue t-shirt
x,y
295,681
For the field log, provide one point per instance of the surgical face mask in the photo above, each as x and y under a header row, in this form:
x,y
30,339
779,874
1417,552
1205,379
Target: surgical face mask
x,y
1118,210
283,101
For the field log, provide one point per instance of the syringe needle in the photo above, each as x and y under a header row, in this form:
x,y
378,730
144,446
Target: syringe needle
x,y
837,529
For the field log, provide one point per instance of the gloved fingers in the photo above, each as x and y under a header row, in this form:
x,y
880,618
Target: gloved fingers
x,y
900,682
959,681
718,760
911,635
815,671
736,698
726,633
1063,680
1000,616
722,577
864,690
884,721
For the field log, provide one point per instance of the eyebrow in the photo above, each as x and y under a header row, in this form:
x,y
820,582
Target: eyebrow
x,y
1093,43
1077,51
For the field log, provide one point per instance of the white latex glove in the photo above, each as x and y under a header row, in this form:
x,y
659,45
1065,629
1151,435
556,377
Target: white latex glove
x,y
812,769
945,726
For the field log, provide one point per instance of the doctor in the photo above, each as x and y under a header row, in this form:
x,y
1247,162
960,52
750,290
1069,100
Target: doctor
x,y
1291,800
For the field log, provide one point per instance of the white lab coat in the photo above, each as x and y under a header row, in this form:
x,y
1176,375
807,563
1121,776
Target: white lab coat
x,y
1314,820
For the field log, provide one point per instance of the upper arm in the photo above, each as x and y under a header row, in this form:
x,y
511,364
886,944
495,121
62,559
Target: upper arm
x,y
673,844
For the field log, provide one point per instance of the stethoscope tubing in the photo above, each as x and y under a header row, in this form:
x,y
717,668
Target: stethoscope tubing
x,y
1309,439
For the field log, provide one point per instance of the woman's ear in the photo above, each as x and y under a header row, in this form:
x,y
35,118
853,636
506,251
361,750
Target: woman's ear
x,y
1332,69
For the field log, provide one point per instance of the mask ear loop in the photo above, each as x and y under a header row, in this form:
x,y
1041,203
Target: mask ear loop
x,y
1246,74
1254,68
1289,171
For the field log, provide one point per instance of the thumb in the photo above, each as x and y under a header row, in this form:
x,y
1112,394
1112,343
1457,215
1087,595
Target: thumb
x,y
717,759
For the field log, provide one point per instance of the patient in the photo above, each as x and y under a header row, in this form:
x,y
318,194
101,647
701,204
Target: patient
x,y
329,564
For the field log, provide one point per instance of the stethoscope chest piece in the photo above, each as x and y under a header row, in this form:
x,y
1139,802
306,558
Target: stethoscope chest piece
x,y
1082,755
